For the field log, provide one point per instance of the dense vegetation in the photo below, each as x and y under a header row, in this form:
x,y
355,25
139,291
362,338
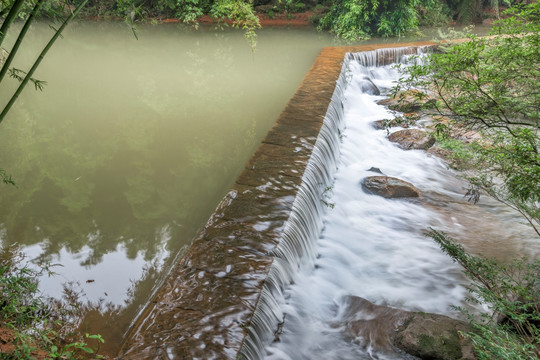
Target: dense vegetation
x,y
490,86
511,331
32,327
350,19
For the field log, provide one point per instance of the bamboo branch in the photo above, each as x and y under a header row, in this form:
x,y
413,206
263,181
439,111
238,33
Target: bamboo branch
x,y
39,59
13,12
21,36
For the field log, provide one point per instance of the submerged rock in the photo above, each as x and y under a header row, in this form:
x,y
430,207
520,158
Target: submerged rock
x,y
409,139
402,121
394,331
368,87
406,101
389,187
376,170
379,124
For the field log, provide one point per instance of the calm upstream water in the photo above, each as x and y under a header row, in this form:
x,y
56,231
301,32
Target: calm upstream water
x,y
131,145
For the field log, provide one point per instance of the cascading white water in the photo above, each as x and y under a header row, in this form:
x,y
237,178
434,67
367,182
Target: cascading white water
x,y
370,246
297,250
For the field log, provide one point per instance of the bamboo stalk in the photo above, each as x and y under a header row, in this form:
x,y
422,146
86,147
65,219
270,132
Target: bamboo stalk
x,y
13,12
21,36
39,59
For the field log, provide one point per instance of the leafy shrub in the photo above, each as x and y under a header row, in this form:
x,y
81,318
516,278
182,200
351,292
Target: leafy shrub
x,y
37,327
490,85
433,13
512,292
359,19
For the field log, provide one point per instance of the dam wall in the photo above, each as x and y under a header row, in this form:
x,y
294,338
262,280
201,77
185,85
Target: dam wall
x,y
220,300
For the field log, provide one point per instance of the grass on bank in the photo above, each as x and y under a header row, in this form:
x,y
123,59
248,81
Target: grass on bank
x,y
32,326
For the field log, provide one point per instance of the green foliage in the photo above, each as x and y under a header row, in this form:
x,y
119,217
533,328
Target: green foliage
x,y
291,6
490,85
187,10
468,11
16,73
433,13
241,14
6,178
512,293
36,325
327,195
359,19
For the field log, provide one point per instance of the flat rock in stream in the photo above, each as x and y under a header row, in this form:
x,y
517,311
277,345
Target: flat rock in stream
x,y
410,139
389,187
394,331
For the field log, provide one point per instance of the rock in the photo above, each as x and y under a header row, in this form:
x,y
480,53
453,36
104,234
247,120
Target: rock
x,y
409,139
371,323
389,187
402,121
379,124
393,331
440,153
368,87
407,101
377,170
432,336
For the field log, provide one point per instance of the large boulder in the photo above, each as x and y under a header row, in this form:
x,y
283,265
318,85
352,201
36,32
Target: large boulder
x,y
409,139
391,331
389,187
432,336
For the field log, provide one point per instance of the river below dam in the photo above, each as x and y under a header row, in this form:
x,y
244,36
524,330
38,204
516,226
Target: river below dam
x,y
376,248
122,158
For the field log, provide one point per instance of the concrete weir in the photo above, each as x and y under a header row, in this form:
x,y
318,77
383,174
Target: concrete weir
x,y
219,301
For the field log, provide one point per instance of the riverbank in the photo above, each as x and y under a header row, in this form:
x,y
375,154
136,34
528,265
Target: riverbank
x,y
265,20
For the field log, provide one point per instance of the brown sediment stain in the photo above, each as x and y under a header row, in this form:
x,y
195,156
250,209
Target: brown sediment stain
x,y
204,308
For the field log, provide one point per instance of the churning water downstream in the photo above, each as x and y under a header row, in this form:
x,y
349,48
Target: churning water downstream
x,y
375,247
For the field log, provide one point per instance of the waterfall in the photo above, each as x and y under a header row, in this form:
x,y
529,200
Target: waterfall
x,y
297,247
381,57
372,247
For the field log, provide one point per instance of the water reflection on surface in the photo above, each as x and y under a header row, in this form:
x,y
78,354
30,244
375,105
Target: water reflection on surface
x,y
131,146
